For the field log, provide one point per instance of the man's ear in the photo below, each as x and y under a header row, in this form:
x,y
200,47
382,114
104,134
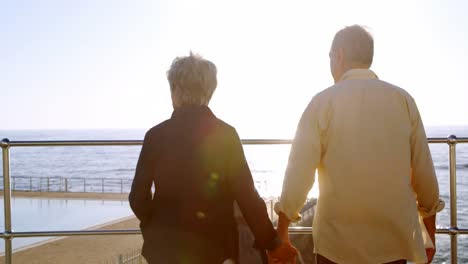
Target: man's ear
x,y
341,56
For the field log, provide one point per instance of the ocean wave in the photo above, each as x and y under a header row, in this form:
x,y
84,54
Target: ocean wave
x,y
261,171
120,170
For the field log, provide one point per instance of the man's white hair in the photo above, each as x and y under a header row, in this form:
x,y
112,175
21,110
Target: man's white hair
x,y
357,43
192,80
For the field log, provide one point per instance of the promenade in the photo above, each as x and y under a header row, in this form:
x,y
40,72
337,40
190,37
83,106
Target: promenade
x,y
80,249
106,249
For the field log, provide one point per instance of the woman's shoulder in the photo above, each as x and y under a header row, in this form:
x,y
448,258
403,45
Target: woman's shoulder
x,y
224,125
157,129
226,128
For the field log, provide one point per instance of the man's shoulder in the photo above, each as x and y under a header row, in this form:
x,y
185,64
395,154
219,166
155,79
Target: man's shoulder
x,y
396,89
325,93
324,96
389,87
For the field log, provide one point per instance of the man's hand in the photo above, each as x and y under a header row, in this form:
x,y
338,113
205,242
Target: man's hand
x,y
283,227
429,222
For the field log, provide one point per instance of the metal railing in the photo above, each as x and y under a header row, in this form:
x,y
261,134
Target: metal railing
x,y
133,257
69,184
8,234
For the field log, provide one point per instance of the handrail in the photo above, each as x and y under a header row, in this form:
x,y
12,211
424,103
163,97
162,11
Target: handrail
x,y
71,143
9,234
69,184
295,230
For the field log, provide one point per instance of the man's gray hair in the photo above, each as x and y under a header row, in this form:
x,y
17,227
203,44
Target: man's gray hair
x,y
192,80
357,43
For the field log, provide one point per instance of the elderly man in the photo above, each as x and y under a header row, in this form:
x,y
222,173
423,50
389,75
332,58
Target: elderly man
x,y
198,168
367,141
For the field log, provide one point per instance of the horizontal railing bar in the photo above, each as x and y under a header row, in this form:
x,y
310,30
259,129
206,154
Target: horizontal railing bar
x,y
61,177
292,230
139,142
266,141
308,230
70,143
56,178
74,233
300,230
445,140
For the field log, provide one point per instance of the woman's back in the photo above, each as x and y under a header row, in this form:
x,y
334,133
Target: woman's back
x,y
198,167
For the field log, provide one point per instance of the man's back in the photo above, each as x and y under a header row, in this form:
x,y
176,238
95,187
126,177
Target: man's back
x,y
364,136
366,168
367,140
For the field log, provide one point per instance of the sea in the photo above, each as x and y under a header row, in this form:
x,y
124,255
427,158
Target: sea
x,y
267,163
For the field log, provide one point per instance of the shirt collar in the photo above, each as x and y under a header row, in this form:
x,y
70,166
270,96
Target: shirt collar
x,y
359,74
192,111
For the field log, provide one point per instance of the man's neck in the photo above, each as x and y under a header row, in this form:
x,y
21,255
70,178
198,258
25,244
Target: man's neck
x,y
359,73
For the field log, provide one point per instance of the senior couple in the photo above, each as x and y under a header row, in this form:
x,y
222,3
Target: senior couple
x,y
378,189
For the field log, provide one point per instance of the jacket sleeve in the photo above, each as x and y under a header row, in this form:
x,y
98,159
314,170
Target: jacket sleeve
x,y
252,206
140,195
424,179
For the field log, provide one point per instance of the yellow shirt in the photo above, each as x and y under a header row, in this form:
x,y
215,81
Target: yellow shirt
x,y
367,141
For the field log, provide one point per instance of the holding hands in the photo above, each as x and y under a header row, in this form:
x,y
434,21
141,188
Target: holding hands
x,y
285,252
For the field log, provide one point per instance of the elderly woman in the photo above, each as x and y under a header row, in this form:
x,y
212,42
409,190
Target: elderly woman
x,y
198,168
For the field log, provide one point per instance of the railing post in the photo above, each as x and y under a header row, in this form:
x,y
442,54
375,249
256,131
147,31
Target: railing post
x,y
272,211
102,185
5,145
84,184
48,184
121,185
30,183
66,184
453,230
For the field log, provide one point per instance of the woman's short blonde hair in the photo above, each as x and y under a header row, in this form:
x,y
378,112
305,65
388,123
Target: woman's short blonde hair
x,y
192,80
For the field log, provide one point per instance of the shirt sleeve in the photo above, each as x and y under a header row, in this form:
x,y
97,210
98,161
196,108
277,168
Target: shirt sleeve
x,y
303,161
252,206
140,194
424,180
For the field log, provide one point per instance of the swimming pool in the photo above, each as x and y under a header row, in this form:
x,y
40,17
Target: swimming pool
x,y
43,214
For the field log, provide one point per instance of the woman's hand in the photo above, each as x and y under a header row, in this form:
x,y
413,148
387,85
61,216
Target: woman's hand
x,y
284,253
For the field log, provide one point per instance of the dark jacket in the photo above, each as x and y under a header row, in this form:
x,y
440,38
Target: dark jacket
x,y
198,168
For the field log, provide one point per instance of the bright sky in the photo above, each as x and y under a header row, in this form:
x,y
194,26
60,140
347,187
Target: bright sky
x,y
102,64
